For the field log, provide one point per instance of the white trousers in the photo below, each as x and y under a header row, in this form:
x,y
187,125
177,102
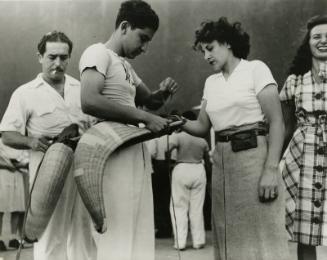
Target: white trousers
x,y
129,207
81,244
188,193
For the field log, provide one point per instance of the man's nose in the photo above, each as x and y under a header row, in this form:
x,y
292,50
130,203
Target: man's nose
x,y
206,55
144,47
57,61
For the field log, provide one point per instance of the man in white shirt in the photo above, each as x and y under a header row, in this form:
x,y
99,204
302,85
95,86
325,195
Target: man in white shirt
x,y
38,111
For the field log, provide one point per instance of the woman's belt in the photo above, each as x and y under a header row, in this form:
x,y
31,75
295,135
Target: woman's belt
x,y
255,129
226,138
242,140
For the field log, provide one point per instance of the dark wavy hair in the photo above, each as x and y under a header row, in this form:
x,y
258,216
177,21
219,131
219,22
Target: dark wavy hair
x,y
224,32
302,61
139,14
54,36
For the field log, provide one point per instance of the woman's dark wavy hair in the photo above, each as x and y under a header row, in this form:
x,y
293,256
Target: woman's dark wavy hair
x,y
224,32
302,61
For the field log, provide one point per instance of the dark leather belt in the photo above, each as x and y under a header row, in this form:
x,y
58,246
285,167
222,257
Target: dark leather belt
x,y
227,138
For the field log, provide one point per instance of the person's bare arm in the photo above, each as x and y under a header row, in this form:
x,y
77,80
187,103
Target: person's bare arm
x,y
201,126
96,104
271,107
154,100
18,141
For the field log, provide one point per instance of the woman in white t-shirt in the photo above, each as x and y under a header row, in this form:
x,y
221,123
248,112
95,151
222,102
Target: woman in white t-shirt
x,y
238,102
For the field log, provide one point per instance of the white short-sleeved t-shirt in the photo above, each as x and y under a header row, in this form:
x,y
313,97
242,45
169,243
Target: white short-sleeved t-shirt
x,y
120,78
233,102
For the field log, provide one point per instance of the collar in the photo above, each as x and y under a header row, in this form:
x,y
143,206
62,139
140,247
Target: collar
x,y
39,81
238,67
110,50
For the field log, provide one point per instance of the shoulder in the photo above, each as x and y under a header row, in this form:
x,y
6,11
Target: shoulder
x,y
27,88
256,64
292,79
200,140
98,56
94,48
129,66
97,51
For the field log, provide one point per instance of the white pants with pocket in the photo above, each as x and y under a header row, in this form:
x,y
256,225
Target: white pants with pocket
x,y
188,193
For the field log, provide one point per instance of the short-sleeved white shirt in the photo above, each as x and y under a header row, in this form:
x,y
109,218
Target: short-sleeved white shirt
x,y
233,102
120,78
38,109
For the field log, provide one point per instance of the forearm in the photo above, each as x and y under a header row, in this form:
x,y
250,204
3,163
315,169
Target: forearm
x,y
196,128
103,108
156,99
16,140
201,126
276,140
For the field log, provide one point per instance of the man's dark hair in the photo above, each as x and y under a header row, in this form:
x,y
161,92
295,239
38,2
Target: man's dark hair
x,y
139,14
54,36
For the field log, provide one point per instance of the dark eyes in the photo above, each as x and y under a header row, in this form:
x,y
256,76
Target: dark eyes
x,y
317,36
144,39
61,57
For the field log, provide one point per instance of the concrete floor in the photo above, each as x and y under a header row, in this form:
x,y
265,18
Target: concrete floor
x,y
164,250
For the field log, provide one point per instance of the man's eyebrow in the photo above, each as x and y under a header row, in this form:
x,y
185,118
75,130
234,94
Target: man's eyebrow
x,y
145,37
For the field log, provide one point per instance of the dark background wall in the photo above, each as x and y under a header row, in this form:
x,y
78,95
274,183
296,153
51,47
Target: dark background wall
x,y
275,26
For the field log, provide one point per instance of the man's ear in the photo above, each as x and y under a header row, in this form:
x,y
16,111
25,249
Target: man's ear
x,y
39,56
124,26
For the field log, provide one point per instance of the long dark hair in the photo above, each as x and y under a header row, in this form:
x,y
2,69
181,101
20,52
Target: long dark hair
x,y
302,61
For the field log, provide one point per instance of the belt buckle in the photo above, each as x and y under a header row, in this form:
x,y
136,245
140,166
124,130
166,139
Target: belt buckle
x,y
318,113
222,138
